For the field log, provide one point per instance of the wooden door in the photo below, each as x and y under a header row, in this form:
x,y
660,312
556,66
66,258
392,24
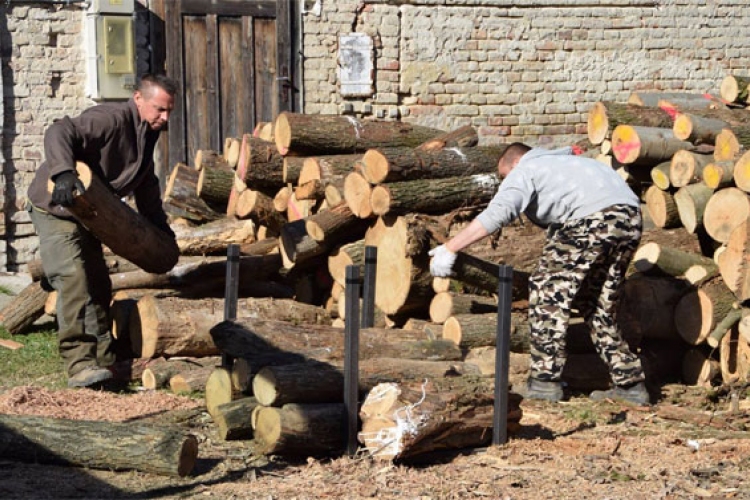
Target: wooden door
x,y
234,60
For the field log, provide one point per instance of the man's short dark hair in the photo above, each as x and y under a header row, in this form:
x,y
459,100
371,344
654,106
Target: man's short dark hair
x,y
513,151
148,81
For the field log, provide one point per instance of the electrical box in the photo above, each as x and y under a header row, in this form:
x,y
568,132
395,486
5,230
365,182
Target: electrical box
x,y
110,49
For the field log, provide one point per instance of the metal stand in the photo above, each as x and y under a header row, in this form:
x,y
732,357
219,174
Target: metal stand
x,y
502,356
368,289
230,293
351,357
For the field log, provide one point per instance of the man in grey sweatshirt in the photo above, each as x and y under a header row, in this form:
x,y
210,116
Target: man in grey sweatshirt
x,y
593,223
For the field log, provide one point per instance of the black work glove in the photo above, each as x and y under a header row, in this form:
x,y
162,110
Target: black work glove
x,y
65,184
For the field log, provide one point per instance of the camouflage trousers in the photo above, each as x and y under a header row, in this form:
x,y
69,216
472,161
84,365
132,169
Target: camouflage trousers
x,y
584,260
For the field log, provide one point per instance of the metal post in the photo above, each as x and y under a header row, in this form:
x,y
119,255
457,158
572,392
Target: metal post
x,y
351,357
230,293
368,291
502,356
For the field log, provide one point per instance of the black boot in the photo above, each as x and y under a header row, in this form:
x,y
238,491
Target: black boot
x,y
543,389
635,393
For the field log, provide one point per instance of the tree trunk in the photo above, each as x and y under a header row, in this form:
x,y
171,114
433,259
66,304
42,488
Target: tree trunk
x,y
284,310
126,232
645,146
214,237
480,330
445,413
687,167
434,330
214,186
24,308
301,430
181,196
327,168
263,165
297,247
725,210
97,444
292,169
691,201
699,311
233,421
433,195
697,129
734,89
333,134
335,226
719,174
391,164
462,137
662,208
605,116
447,304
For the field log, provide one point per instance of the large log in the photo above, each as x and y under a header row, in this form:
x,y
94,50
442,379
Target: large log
x,y
434,195
181,196
403,420
214,185
284,310
357,192
333,134
725,210
263,165
232,419
97,444
462,137
645,146
327,168
691,201
24,308
260,207
480,330
605,116
214,237
300,430
254,339
126,232
393,164
699,311
297,247
734,89
336,226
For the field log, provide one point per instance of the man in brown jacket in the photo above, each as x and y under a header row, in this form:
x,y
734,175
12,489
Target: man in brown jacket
x,y
116,140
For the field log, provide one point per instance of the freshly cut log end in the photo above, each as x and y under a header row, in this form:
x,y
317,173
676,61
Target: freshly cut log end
x,y
646,257
733,261
380,200
375,166
727,146
662,208
741,173
219,389
660,176
691,203
683,126
626,145
719,174
597,123
725,210
686,167
734,89
282,134
699,311
357,193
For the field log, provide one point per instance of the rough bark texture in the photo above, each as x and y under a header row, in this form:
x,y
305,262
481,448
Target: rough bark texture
x,y
301,430
653,257
686,167
232,419
259,206
646,146
605,116
214,237
24,308
181,196
336,226
214,186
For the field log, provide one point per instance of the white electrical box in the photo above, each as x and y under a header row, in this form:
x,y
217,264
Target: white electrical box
x,y
110,49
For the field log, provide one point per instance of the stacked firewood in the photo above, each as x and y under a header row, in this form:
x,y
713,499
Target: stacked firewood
x,y
687,154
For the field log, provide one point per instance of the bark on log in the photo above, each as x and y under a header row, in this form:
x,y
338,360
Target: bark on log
x,y
98,444
214,237
214,186
484,275
292,168
402,421
297,247
327,168
335,226
734,358
741,172
156,375
725,210
301,430
699,311
260,207
662,208
106,217
447,304
653,257
284,310
691,201
734,89
232,419
733,261
697,129
433,330
723,327
346,255
719,174
686,167
210,158
181,197
191,381
646,146
605,116
297,209
25,308
681,100
462,137
392,164
699,368
255,339
480,330
333,134
433,195
264,166
646,308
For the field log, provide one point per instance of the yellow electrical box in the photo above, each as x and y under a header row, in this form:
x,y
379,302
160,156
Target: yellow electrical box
x,y
119,56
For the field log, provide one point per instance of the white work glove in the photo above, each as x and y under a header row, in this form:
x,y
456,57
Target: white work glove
x,y
442,261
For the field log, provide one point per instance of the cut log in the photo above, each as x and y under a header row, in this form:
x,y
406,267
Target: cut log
x,y
697,129
357,193
653,257
333,134
284,310
214,237
662,208
434,195
699,368
156,375
741,172
301,430
402,421
691,201
105,215
297,209
393,164
346,255
174,327
660,175
605,116
281,199
214,185
447,304
260,340
260,207
292,169
297,247
734,358
211,159
687,167
336,226
232,419
219,389
480,330
733,261
327,168
24,308
98,444
699,311
231,151
484,275
725,210
264,130
181,196
646,146
462,137
727,147
719,174
433,330
734,89
675,100
723,327
698,274
190,382
264,166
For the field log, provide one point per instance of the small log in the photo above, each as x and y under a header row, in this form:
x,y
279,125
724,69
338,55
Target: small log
x,y
98,444
691,201
103,213
662,208
647,146
209,158
357,193
284,310
333,134
300,430
24,308
292,168
480,330
605,116
263,165
192,381
335,226
725,210
231,151
462,137
699,311
734,89
734,358
297,247
697,129
741,172
722,328
698,274
686,167
484,275
343,256
719,174
156,375
297,209
447,304
401,421
264,130
181,196
260,207
334,194
214,186
682,100
214,237
652,257
727,147
232,419
219,389
699,368
327,168
281,199
660,175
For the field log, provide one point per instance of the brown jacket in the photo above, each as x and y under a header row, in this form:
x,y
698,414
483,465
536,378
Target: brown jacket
x,y
111,139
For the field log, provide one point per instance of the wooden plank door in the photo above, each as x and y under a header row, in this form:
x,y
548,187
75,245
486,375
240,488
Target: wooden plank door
x,y
234,60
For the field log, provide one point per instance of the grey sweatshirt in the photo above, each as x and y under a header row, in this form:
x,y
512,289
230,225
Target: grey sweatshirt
x,y
553,186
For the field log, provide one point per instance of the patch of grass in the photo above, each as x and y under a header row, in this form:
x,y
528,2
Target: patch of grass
x,y
37,362
5,290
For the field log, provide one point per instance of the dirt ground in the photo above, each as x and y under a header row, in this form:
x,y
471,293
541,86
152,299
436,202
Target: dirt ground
x,y
692,444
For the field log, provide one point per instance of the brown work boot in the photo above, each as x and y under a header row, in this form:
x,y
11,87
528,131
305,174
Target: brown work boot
x,y
89,377
635,393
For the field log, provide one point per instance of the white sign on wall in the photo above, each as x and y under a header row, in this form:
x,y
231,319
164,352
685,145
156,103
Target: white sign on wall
x,y
355,65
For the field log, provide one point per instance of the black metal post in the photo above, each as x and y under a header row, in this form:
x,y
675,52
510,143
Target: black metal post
x,y
368,289
230,293
351,357
502,356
